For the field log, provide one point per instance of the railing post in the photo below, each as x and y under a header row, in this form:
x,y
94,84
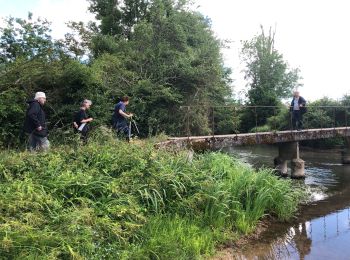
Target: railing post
x,y
334,117
256,120
291,119
188,122
346,117
235,120
275,119
212,122
306,125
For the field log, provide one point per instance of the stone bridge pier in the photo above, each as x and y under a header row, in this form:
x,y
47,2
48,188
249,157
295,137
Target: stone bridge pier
x,y
289,151
346,153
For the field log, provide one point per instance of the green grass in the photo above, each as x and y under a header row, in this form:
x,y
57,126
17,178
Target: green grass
x,y
113,200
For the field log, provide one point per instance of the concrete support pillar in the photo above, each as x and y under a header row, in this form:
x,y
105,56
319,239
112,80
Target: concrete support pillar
x,y
298,169
298,165
346,153
290,151
281,166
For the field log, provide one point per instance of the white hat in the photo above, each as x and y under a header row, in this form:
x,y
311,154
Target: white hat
x,y
39,95
87,101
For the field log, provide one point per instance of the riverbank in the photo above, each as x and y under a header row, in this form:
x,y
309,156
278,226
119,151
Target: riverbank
x,y
115,200
320,229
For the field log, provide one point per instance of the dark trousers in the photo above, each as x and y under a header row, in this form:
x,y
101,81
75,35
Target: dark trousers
x,y
84,134
122,128
297,119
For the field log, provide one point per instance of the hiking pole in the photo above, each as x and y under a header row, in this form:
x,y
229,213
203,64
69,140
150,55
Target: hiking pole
x,y
129,132
137,129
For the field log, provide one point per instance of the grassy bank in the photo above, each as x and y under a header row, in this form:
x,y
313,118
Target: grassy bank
x,y
129,201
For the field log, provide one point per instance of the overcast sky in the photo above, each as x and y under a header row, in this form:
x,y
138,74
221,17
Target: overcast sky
x,y
313,35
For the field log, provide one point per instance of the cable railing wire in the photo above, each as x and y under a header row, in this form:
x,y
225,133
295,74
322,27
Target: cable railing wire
x,y
333,114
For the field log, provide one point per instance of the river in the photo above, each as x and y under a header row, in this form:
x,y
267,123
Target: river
x,y
321,229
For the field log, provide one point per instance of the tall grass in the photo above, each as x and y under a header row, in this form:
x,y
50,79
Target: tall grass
x,y
130,201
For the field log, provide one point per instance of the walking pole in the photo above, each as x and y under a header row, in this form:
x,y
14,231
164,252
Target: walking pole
x,y
129,131
137,129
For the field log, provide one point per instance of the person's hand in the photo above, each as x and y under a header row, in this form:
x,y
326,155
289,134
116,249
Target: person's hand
x,y
91,119
131,115
75,125
39,128
301,105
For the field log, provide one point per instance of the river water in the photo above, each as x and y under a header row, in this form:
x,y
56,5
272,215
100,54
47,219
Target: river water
x,y
321,229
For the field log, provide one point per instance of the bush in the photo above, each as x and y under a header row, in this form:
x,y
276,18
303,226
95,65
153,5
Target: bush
x,y
118,200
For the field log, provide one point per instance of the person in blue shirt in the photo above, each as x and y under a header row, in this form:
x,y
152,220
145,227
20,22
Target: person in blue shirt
x,y
120,117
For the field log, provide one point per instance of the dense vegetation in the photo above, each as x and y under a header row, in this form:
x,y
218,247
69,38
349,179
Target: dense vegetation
x,y
162,54
114,200
163,58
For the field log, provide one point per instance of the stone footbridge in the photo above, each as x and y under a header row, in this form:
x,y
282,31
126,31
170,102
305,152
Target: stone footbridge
x,y
288,143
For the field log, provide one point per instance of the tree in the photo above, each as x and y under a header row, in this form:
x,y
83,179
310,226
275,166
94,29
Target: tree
x,y
168,58
25,39
119,17
269,77
174,60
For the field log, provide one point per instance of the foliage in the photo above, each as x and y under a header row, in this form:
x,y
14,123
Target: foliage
x,y
119,201
268,74
322,113
159,53
119,17
25,39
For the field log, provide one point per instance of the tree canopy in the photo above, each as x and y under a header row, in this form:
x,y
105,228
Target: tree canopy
x,y
269,77
159,53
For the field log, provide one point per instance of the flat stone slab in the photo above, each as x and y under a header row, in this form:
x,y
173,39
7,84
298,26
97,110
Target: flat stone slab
x,y
221,141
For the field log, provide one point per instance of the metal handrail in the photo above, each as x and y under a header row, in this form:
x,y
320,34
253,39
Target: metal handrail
x,y
249,106
237,108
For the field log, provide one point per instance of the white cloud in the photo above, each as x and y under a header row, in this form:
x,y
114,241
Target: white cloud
x,y
312,35
59,12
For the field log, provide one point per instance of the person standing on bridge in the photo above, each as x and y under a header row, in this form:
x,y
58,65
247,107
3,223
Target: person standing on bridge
x,y
298,109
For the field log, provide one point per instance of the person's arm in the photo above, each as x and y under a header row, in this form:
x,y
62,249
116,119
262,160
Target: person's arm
x,y
87,120
82,119
302,102
33,115
121,112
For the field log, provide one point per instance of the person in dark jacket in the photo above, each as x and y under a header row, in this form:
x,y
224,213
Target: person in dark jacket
x,y
35,123
81,120
120,117
298,109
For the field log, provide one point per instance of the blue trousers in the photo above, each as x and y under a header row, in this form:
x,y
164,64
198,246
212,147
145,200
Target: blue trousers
x,y
122,127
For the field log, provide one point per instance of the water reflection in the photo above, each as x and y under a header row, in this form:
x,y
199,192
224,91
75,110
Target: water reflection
x,y
327,237
322,229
